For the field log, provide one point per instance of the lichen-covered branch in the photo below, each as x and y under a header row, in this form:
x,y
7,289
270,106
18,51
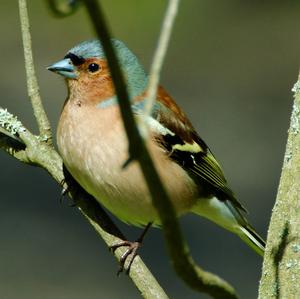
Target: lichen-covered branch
x,y
281,268
32,85
10,142
10,125
183,263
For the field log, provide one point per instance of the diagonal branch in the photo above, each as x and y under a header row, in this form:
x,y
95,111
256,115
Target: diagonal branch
x,y
32,85
183,263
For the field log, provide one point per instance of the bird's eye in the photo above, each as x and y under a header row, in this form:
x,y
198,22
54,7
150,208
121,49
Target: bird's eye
x,y
93,67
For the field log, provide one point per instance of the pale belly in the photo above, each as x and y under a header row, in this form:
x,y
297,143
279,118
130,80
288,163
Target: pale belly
x,y
95,157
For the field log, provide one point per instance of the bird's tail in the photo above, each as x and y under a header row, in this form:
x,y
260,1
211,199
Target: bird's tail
x,y
225,214
252,239
245,231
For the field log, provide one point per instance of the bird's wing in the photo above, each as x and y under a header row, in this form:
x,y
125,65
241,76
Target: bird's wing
x,y
176,135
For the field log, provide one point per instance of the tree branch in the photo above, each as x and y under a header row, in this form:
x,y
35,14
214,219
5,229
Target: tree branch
x,y
32,85
10,128
160,53
183,263
281,272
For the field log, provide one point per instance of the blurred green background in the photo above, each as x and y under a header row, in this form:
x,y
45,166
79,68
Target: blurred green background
x,y
231,66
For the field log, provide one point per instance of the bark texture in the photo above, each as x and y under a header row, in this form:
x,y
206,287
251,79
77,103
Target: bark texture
x,y
281,268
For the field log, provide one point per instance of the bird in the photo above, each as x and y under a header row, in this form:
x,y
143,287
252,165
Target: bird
x,y
92,142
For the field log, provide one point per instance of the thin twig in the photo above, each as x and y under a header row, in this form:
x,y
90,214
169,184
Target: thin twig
x,y
160,54
32,85
184,265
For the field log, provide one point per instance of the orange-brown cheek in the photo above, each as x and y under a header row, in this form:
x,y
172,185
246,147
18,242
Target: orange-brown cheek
x,y
93,88
103,87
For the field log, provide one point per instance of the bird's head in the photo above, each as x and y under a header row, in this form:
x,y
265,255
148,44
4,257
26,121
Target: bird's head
x,y
86,69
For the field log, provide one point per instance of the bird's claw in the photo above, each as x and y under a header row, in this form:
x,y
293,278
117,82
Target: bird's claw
x,y
64,191
131,253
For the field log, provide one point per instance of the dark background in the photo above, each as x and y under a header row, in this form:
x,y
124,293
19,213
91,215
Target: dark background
x,y
231,66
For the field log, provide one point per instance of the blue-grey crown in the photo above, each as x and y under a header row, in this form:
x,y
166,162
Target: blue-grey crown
x,y
93,48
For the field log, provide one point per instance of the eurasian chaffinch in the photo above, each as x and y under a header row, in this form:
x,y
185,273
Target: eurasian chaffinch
x,y
92,142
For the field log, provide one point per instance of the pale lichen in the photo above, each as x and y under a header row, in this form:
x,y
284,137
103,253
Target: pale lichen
x,y
294,128
288,156
10,123
291,263
296,87
43,138
275,289
296,248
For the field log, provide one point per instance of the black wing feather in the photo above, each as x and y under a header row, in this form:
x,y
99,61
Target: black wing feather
x,y
202,166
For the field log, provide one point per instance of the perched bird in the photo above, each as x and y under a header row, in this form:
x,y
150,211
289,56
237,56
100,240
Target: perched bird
x,y
93,144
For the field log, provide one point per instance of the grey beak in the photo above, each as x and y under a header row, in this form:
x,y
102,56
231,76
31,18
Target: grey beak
x,y
65,68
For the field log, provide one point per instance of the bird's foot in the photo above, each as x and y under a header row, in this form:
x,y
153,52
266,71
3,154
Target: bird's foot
x,y
130,253
132,249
